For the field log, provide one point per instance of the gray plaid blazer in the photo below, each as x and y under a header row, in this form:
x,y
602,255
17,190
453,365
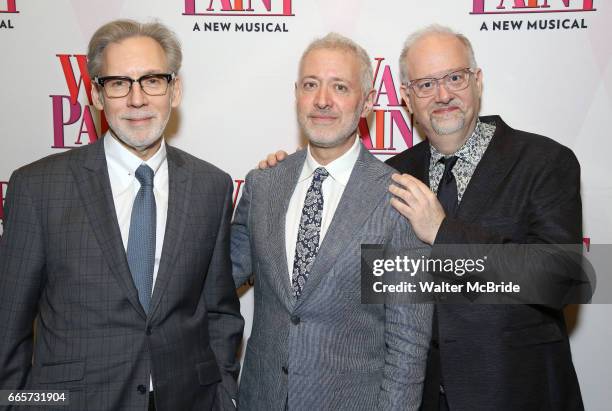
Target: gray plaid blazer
x,y
326,350
62,264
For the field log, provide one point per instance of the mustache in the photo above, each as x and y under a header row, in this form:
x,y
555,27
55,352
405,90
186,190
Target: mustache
x,y
140,115
323,113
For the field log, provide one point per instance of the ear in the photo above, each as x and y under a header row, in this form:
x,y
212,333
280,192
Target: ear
x,y
177,92
478,76
405,93
369,103
96,96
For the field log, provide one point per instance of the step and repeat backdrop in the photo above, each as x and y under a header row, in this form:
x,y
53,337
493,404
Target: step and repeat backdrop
x,y
546,63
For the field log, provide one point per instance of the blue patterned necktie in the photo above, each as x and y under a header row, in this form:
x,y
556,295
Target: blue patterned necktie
x,y
309,232
141,240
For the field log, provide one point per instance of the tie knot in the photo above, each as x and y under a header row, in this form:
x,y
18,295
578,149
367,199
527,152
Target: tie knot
x,y
145,175
449,163
320,174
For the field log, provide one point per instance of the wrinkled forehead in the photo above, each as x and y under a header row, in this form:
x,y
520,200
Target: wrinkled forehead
x,y
435,55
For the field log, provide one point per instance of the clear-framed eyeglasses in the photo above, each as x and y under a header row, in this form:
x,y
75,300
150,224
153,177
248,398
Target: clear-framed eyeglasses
x,y
456,81
120,86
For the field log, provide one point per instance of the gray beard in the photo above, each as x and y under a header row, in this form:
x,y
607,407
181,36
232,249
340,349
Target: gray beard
x,y
443,131
343,136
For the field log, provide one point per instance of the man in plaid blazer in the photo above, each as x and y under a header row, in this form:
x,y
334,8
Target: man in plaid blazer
x,y
115,274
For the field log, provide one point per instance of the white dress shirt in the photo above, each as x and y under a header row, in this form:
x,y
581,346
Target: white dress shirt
x,y
122,165
339,172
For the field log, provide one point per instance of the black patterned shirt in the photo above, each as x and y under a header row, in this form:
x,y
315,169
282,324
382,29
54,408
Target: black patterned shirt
x,y
469,155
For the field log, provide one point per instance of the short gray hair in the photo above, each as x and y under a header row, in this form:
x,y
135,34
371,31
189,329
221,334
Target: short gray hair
x,y
427,31
118,30
335,41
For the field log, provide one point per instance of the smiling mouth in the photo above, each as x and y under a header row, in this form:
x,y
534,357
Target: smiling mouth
x,y
139,120
320,119
445,110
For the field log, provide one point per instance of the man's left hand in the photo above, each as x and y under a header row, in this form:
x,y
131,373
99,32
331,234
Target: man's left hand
x,y
415,201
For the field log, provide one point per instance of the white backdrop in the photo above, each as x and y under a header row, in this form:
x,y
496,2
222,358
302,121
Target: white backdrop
x,y
238,104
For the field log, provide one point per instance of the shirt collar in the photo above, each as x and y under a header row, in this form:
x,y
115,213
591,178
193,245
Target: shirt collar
x,y
340,169
126,162
474,147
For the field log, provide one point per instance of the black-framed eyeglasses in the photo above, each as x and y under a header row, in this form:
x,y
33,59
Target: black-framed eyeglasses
x,y
455,81
120,86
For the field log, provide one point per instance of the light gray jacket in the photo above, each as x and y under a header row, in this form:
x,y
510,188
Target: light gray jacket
x,y
326,350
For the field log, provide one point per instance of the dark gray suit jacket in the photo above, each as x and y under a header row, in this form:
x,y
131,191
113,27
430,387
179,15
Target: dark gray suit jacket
x,y
63,264
326,350
525,190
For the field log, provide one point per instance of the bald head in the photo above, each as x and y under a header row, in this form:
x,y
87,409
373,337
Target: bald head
x,y
427,36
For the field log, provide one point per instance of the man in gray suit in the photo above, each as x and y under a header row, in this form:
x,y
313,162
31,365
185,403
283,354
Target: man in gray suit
x,y
119,252
298,229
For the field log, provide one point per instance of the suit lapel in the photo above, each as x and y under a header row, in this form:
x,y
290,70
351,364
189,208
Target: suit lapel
x,y
492,169
283,180
179,186
356,205
419,165
91,175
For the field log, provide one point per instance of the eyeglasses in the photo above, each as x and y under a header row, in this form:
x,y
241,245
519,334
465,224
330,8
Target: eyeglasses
x,y
455,81
120,86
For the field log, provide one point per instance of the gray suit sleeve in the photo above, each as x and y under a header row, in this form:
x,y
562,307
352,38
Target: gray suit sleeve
x,y
225,323
407,336
22,261
241,243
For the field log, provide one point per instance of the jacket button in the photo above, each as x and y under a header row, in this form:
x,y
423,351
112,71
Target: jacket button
x,y
295,319
148,331
142,389
285,370
435,344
